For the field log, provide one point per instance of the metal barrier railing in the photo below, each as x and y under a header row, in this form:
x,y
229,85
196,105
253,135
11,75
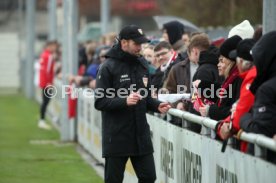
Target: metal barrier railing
x,y
261,142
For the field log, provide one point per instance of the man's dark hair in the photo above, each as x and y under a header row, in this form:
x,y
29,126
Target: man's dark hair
x,y
161,45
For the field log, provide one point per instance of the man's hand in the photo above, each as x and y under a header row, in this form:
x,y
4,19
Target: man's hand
x,y
225,131
164,107
133,98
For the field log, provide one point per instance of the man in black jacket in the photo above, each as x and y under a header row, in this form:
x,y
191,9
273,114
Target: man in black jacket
x,y
123,96
262,118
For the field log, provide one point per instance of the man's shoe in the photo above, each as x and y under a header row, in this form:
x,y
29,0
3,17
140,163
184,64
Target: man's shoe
x,y
42,124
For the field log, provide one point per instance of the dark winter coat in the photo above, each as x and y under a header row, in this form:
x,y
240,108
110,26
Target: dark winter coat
x,y
179,75
157,79
125,131
219,112
208,69
262,119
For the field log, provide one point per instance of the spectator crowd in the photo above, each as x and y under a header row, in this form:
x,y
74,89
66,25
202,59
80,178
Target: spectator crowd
x,y
229,81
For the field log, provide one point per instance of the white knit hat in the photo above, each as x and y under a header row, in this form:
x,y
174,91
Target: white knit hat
x,y
244,30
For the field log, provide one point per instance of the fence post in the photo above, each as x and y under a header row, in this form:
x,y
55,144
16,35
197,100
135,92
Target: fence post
x,y
205,131
184,123
30,30
105,16
259,151
269,15
52,20
69,62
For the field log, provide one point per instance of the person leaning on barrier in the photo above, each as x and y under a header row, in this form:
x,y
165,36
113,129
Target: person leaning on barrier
x,y
125,130
206,56
182,73
225,95
248,72
262,119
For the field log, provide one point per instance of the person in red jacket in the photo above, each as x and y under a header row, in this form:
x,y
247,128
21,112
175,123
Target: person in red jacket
x,y
46,77
247,70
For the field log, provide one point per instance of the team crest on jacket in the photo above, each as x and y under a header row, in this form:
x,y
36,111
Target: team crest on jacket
x,y
145,81
262,109
140,31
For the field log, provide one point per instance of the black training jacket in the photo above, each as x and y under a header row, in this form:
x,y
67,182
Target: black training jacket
x,y
125,131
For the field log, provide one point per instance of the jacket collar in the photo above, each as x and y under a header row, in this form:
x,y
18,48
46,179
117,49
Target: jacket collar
x,y
185,63
118,54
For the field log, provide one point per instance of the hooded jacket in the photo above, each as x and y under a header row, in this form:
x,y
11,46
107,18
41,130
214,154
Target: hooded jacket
x,y
262,120
125,130
175,30
208,61
264,56
207,69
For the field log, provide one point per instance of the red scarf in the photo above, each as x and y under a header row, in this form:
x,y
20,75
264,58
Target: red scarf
x,y
234,73
164,67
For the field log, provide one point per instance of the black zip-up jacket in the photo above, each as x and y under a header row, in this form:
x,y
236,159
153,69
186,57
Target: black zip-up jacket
x,y
125,131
